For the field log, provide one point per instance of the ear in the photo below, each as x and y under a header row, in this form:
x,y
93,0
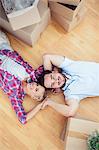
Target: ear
x,y
55,69
58,90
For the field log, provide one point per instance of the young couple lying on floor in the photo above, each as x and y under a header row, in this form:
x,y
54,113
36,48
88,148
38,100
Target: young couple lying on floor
x,y
77,80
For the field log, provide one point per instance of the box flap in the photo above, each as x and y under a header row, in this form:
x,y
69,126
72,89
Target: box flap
x,y
70,2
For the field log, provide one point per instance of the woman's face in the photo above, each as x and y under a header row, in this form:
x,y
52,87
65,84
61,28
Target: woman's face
x,y
36,91
54,80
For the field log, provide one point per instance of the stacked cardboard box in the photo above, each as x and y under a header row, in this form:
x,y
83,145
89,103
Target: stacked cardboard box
x,y
68,13
25,17
29,34
70,2
77,132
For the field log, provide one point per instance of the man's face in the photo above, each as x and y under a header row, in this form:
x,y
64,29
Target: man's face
x,y
54,80
36,91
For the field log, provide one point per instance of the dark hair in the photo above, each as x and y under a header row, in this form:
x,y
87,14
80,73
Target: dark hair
x,y
41,78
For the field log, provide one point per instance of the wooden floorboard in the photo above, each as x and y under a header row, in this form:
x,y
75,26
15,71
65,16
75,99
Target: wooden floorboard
x,y
43,131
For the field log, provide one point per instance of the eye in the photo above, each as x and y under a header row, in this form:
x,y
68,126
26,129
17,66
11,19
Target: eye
x,y
37,84
52,85
38,98
36,89
58,78
51,76
58,83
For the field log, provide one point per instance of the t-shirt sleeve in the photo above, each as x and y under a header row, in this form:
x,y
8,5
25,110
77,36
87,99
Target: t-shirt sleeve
x,y
66,63
69,96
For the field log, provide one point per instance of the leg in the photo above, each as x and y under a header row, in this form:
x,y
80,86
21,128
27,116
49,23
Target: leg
x,y
4,44
4,41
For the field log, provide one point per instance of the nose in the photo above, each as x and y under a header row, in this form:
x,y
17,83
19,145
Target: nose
x,y
54,81
33,86
60,80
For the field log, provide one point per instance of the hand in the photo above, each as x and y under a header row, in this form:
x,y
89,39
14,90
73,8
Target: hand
x,y
41,104
58,90
46,103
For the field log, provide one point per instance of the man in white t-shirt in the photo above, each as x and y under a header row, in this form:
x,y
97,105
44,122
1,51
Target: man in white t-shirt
x,y
78,80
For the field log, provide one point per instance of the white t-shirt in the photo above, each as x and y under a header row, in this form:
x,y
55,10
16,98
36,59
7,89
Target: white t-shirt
x,y
83,79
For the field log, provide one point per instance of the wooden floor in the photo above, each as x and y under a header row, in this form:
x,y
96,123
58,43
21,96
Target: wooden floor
x,y
43,131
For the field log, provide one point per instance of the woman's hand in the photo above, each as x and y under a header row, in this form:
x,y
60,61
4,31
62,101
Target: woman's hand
x,y
47,102
58,90
35,110
39,106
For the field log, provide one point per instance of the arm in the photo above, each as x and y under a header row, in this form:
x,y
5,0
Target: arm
x,y
66,110
49,59
34,111
20,112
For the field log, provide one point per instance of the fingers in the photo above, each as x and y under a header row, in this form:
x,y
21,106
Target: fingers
x,y
46,98
44,104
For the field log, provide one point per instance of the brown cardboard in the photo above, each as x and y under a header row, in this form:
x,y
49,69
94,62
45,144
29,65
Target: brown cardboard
x,y
34,32
69,25
65,11
29,34
70,2
25,17
77,131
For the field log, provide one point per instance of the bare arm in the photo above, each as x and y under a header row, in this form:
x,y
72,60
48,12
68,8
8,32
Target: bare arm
x,y
66,110
49,59
34,111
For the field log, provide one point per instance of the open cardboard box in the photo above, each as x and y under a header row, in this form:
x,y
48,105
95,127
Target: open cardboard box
x,y
29,34
69,25
77,132
25,17
67,11
70,2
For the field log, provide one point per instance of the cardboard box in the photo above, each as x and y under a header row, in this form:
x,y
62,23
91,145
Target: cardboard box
x,y
33,32
29,34
77,132
69,25
70,2
65,10
25,17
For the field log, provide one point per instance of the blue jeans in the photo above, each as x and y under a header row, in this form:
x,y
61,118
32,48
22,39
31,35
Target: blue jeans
x,y
4,45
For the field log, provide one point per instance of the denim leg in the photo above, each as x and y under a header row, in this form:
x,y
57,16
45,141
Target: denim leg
x,y
4,41
4,44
